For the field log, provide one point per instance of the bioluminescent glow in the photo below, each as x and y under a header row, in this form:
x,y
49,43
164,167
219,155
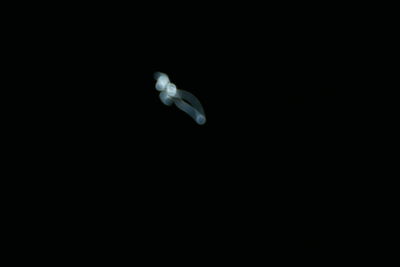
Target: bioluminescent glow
x,y
184,100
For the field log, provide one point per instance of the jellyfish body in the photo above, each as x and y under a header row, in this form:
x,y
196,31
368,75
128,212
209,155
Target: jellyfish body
x,y
185,101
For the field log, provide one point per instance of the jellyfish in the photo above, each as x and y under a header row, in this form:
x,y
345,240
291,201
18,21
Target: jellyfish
x,y
184,100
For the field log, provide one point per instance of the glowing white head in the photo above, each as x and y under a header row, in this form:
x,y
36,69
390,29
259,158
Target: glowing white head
x,y
162,81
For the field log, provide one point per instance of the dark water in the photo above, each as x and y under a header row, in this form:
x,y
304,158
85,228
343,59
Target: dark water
x,y
264,168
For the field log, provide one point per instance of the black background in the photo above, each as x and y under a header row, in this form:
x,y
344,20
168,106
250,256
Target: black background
x,y
261,173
